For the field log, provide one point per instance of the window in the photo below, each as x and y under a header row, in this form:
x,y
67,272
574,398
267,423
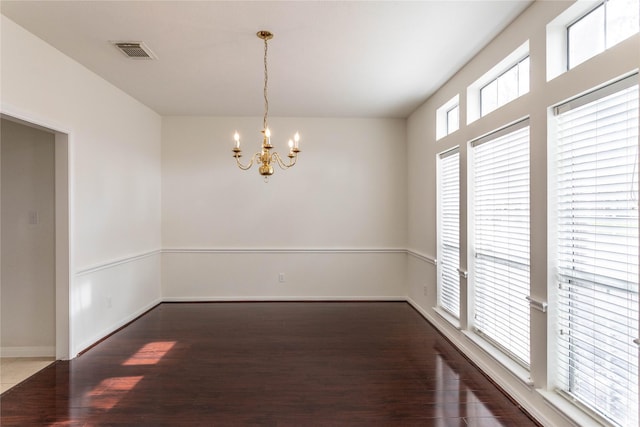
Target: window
x,y
448,117
504,82
500,274
449,232
505,88
602,27
597,250
453,119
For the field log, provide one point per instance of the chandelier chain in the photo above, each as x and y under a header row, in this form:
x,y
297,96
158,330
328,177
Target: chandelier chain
x,y
266,79
265,158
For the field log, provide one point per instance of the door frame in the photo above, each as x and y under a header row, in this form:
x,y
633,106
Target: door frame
x,y
63,224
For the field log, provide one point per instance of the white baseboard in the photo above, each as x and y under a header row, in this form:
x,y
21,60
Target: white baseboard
x,y
30,351
106,332
543,413
284,298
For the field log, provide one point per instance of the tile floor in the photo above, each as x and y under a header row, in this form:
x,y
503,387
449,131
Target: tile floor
x,y
14,370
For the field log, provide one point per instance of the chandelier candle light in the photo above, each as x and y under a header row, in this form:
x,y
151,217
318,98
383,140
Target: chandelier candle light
x,y
265,157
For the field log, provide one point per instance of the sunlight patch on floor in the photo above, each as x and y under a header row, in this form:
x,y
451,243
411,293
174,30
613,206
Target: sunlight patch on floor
x,y
110,391
150,354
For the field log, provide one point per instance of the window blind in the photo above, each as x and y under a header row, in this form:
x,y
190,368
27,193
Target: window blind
x,y
501,239
597,251
449,232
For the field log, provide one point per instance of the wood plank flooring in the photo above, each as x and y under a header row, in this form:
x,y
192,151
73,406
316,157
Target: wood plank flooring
x,y
271,364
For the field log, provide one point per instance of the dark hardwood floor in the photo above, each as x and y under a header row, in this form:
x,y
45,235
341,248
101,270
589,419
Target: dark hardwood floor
x,y
298,364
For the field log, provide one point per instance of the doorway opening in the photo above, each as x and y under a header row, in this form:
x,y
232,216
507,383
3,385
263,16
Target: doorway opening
x,y
34,240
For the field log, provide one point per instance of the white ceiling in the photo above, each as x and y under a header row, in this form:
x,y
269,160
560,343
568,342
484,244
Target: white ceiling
x,y
327,59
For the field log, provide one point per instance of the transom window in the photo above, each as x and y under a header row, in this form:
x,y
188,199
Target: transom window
x,y
448,117
453,119
602,27
505,88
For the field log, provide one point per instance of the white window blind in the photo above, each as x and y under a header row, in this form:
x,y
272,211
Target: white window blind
x,y
597,250
501,239
449,232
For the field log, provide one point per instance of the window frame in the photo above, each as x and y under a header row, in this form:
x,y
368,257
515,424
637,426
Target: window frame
x,y
455,151
454,107
503,354
557,49
442,125
516,65
575,21
552,229
473,90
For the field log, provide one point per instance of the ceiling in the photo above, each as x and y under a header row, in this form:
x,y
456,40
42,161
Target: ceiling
x,y
327,58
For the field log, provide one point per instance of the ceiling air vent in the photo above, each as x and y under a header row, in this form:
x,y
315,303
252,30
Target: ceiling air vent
x,y
135,50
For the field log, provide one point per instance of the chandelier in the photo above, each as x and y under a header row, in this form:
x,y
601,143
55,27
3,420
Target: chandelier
x,y
265,157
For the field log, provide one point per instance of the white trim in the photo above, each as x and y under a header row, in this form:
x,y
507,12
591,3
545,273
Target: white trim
x,y
570,410
421,257
116,262
33,351
454,321
124,260
30,119
281,251
517,370
470,350
400,298
111,329
64,218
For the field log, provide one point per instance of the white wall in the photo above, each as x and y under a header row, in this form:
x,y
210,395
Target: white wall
x,y
335,224
27,280
114,153
423,149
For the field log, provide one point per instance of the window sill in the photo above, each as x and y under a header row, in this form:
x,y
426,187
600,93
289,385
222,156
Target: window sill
x,y
517,370
448,317
570,410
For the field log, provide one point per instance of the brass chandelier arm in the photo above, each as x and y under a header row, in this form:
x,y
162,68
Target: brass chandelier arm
x,y
282,164
266,158
243,167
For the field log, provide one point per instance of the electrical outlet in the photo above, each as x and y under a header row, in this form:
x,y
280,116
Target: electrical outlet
x,y
34,218
281,278
425,290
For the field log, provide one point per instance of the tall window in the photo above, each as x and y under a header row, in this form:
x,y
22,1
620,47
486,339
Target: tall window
x,y
449,232
597,250
505,88
602,27
501,239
